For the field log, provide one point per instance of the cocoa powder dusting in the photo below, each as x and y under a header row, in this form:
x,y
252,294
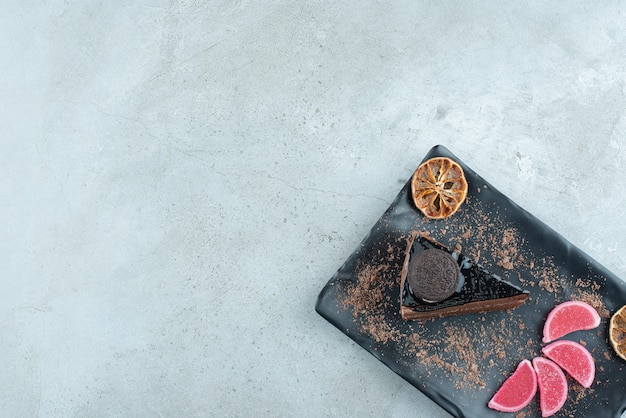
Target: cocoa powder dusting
x,y
488,345
378,327
460,346
548,275
592,299
507,255
367,294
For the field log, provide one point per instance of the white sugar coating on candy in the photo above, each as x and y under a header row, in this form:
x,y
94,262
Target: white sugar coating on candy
x,y
569,317
574,359
517,391
552,386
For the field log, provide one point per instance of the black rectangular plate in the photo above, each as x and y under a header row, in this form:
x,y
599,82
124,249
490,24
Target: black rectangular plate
x,y
459,362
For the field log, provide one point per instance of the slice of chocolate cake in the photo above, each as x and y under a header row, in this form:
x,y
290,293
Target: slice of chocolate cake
x,y
437,282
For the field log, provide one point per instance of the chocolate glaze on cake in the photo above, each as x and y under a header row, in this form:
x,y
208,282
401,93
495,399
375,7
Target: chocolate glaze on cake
x,y
478,290
433,275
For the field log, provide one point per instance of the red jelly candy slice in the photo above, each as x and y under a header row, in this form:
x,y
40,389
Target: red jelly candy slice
x,y
517,391
569,317
552,386
574,359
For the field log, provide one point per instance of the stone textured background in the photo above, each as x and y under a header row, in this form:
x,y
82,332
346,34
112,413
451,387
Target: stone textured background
x,y
181,178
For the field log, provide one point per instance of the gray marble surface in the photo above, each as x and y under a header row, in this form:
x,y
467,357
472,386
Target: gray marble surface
x,y
181,178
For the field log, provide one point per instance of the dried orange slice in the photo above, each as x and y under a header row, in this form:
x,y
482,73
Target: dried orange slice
x,y
617,332
439,187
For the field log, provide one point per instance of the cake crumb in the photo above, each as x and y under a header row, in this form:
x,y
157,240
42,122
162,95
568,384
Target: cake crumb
x,y
507,255
579,392
549,284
